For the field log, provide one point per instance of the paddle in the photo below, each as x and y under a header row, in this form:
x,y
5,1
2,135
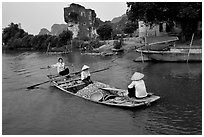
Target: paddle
x,y
33,86
78,72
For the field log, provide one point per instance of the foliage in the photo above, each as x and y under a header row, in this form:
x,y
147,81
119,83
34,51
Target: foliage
x,y
14,38
105,31
65,36
186,13
12,32
130,27
26,41
96,43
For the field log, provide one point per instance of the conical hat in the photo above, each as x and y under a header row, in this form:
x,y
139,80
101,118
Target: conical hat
x,y
60,58
85,67
137,76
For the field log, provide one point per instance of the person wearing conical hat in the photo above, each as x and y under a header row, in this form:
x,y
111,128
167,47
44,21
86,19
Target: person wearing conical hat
x,y
85,75
60,65
137,87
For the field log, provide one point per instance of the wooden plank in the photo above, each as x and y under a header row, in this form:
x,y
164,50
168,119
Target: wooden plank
x,y
67,81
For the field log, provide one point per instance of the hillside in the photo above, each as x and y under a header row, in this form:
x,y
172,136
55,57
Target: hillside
x,y
119,23
118,19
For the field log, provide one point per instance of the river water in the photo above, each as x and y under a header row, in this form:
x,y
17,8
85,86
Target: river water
x,y
47,110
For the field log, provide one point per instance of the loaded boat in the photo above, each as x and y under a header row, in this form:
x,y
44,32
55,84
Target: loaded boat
x,y
101,93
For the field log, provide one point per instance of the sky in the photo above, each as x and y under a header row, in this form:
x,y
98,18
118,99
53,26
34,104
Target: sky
x,y
34,16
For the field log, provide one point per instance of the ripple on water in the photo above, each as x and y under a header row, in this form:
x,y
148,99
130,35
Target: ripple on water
x,y
179,111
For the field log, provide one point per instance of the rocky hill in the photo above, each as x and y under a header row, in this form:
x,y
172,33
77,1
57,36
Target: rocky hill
x,y
44,31
118,23
118,19
83,22
56,29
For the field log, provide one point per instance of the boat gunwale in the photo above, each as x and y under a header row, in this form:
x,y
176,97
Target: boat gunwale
x,y
107,103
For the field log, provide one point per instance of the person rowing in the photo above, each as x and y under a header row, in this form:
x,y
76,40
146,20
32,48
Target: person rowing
x,y
137,87
60,65
85,75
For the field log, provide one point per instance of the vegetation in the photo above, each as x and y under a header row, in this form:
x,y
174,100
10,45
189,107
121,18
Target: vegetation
x,y
91,45
14,37
105,31
186,13
65,36
130,27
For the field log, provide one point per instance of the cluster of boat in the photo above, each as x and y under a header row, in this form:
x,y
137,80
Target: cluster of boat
x,y
171,53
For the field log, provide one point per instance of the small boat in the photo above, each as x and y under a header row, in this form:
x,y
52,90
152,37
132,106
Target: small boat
x,y
57,52
174,54
98,54
101,93
118,50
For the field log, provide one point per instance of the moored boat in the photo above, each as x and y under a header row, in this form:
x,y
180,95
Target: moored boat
x,y
174,54
101,93
118,50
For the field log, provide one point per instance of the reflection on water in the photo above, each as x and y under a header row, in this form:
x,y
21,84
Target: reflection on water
x,y
47,110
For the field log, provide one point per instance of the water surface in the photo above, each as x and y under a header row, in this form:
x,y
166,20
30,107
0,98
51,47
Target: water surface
x,y
47,110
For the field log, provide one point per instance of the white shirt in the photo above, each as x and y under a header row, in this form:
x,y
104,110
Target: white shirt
x,y
85,74
140,88
59,66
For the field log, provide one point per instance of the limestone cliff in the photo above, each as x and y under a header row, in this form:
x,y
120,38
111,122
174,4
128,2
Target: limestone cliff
x,y
81,21
56,29
44,31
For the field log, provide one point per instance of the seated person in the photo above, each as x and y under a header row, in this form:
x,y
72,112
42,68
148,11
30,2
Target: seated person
x,y
61,69
137,87
85,75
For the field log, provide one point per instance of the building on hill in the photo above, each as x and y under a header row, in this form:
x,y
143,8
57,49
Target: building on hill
x,y
81,21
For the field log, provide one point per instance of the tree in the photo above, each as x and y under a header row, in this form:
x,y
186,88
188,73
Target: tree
x,y
186,13
26,41
12,35
11,31
130,27
105,31
65,37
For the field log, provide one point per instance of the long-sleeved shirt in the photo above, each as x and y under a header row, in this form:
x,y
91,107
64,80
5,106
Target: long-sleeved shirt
x,y
140,88
85,74
60,66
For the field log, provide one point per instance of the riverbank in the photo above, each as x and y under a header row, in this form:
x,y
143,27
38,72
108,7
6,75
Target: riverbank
x,y
130,44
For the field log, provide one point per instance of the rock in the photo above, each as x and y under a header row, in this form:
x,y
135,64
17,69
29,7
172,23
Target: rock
x,y
44,31
81,21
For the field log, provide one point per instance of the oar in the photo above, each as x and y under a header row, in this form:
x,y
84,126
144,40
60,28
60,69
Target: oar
x,y
78,72
44,68
31,87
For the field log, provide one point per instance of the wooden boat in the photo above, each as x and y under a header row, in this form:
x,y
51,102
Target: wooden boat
x,y
118,50
164,44
57,52
101,93
98,54
174,54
